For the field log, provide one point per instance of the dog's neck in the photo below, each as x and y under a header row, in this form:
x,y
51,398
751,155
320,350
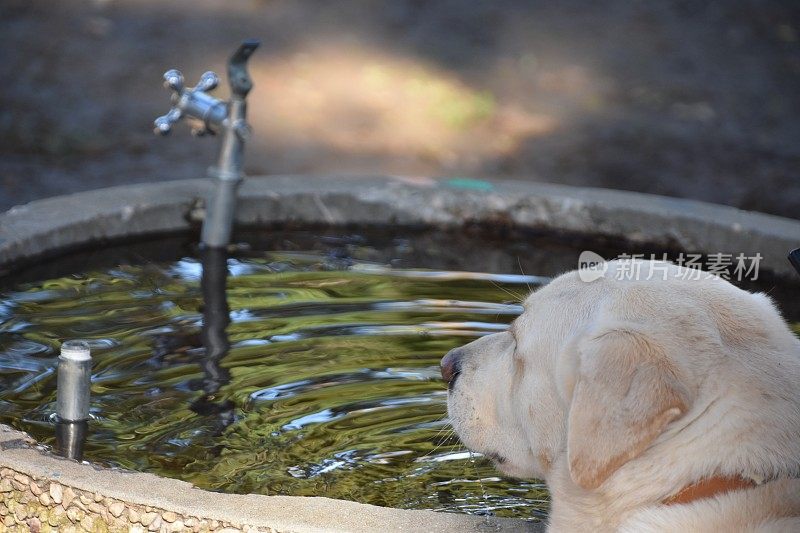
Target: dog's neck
x,y
770,506
574,508
641,508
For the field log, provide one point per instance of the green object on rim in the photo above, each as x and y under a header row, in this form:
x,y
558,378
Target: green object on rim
x,y
469,183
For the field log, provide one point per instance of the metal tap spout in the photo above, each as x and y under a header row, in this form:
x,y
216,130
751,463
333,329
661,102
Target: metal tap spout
x,y
215,115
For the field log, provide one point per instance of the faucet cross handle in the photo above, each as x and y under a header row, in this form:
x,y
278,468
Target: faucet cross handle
x,y
194,103
208,82
163,124
173,79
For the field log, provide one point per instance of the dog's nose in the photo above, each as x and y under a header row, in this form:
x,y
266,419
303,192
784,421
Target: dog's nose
x,y
451,365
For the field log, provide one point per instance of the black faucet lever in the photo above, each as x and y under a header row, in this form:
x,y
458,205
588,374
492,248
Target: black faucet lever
x,y
794,259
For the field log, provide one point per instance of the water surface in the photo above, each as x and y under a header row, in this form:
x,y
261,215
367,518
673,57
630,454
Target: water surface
x,y
319,378
327,383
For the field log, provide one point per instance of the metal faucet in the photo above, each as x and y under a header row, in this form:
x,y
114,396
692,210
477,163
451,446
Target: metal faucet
x,y
213,115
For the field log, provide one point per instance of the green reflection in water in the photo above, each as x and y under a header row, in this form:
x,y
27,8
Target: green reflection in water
x,y
334,378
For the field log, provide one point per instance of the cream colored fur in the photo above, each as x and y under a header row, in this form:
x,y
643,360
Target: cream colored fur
x,y
620,392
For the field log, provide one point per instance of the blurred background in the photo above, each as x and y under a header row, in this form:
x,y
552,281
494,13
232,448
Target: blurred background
x,y
695,99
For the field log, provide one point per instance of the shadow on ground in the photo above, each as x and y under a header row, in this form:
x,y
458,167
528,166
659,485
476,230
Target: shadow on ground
x,y
688,99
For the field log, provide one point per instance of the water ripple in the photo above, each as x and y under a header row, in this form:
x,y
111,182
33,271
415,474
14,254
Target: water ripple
x,y
331,386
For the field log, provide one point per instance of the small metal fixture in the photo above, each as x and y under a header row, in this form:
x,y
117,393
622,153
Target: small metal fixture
x,y
74,380
72,398
213,115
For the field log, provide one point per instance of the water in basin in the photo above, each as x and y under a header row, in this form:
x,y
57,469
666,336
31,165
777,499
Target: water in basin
x,y
327,383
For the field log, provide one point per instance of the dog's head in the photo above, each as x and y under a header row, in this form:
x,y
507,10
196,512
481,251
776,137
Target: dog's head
x,y
593,373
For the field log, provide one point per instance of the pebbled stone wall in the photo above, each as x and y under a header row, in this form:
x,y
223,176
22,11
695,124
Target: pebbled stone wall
x,y
44,506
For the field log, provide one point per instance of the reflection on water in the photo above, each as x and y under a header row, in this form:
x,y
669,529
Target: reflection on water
x,y
71,438
312,373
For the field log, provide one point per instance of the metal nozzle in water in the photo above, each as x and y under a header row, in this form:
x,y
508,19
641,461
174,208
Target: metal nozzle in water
x,y
74,379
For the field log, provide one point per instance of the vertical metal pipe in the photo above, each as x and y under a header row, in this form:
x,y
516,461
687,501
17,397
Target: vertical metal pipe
x,y
221,206
220,213
74,380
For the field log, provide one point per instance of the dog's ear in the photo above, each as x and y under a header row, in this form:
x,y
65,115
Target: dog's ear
x,y
625,394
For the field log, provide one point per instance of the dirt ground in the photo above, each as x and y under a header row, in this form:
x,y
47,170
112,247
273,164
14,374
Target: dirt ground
x,y
691,99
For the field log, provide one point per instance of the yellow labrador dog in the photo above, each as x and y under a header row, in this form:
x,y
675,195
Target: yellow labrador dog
x,y
654,402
